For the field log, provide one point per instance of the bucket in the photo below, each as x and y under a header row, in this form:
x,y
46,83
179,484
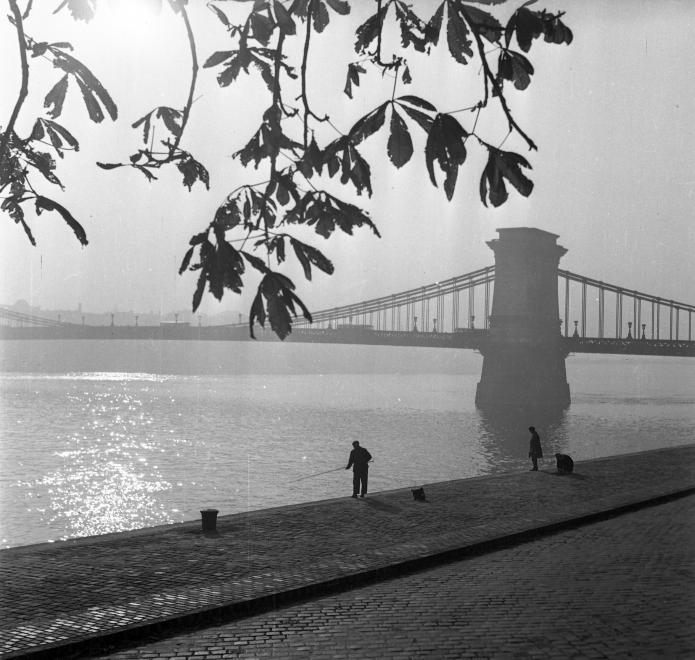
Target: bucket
x,y
209,518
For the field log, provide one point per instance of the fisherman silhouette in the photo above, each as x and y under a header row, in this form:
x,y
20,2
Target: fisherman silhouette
x,y
359,462
535,450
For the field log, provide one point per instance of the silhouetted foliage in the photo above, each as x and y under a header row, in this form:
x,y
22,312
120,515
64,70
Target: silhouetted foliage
x,y
285,144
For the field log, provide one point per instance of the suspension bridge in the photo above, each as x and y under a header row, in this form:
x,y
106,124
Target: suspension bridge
x,y
524,314
444,315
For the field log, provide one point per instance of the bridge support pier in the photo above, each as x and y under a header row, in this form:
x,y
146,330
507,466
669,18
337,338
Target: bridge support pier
x,y
524,355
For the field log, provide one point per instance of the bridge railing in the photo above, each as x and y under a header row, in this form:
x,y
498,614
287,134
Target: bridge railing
x,y
434,307
650,316
30,319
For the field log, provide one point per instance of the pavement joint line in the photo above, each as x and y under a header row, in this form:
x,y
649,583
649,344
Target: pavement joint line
x,y
224,613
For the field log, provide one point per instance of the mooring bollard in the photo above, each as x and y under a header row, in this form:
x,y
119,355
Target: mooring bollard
x,y
209,518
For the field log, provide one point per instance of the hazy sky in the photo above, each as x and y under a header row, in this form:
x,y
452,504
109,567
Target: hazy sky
x,y
614,176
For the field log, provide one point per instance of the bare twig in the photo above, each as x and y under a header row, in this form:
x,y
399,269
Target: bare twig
x,y
395,82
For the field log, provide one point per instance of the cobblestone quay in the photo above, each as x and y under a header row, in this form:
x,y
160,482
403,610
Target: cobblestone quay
x,y
614,589
60,598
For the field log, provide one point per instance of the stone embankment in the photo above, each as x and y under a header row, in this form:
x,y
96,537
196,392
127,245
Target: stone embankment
x,y
78,596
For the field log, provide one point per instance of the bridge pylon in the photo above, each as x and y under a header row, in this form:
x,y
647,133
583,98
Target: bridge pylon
x,y
523,354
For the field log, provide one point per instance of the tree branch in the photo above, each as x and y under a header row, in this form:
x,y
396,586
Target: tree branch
x,y
194,75
305,57
277,101
24,89
376,57
495,85
378,37
171,154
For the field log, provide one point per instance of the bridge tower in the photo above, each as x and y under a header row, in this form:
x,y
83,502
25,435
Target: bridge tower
x,y
523,356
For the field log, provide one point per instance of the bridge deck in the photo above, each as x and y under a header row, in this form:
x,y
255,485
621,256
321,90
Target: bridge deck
x,y
674,347
462,338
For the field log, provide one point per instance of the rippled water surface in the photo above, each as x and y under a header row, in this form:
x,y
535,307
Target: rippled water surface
x,y
107,436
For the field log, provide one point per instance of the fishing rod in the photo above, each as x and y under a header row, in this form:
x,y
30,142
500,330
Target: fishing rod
x,y
318,474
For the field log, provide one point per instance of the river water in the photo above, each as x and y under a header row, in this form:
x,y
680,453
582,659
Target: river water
x,y
103,436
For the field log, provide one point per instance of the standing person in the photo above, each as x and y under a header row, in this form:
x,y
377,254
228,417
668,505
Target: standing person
x,y
359,462
535,450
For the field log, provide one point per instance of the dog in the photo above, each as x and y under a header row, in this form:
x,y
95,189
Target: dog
x,y
565,464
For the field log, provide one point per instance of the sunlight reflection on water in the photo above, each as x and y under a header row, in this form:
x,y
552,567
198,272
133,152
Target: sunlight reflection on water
x,y
94,452
99,476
